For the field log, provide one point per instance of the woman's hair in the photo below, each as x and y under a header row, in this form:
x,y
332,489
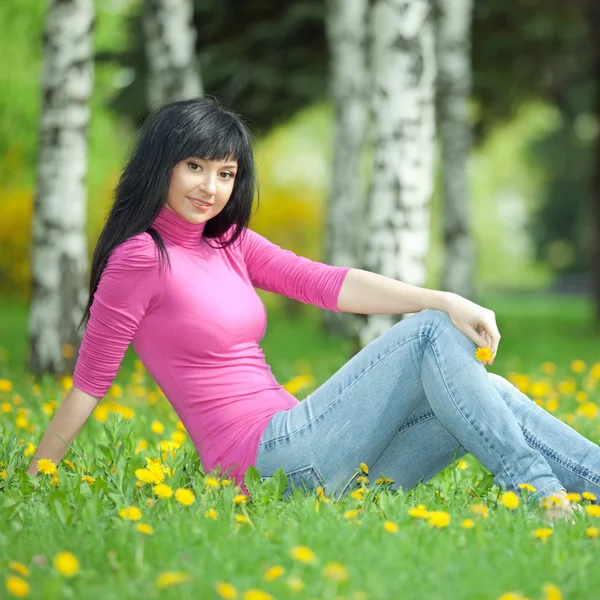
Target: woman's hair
x,y
198,127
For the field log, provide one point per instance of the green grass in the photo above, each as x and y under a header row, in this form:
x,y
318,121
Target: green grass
x,y
499,554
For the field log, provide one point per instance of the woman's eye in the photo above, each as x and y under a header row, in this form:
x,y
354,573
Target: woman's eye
x,y
227,175
194,166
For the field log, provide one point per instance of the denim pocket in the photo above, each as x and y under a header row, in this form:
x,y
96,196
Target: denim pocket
x,y
306,478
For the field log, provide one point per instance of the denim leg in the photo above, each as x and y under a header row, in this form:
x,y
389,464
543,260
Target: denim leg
x,y
354,415
574,459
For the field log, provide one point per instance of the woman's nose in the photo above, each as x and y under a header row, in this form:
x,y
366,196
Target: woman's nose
x,y
210,184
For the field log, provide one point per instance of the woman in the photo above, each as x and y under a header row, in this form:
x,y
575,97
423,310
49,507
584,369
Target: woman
x,y
174,273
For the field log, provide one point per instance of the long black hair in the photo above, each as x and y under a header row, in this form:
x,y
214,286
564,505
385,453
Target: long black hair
x,y
199,127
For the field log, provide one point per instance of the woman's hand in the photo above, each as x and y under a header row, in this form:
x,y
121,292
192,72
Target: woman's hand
x,y
476,322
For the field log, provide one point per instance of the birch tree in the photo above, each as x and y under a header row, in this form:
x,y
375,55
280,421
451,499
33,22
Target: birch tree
x,y
398,203
453,90
346,22
170,45
58,243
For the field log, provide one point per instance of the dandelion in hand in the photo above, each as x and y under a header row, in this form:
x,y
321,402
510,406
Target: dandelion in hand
x,y
484,354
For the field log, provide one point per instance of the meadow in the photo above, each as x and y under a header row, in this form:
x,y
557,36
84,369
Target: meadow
x,y
130,513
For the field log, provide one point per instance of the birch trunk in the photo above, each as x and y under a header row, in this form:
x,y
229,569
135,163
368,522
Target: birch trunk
x,y
454,87
58,245
346,23
170,42
398,207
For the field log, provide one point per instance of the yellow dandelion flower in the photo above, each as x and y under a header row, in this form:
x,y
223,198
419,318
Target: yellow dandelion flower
x,y
145,476
157,427
180,426
16,586
551,592
581,397
468,524
185,496
299,382
179,437
30,449
438,518
511,596
46,466
419,512
390,526
544,533
255,594
274,573
211,513
589,496
88,479
66,564
162,490
549,368
588,409
567,386
20,568
5,385
130,513
21,422
593,510
242,519
578,366
484,354
592,532
6,407
144,528
226,482
168,578
528,487
350,514
302,554
383,480
141,446
239,499
364,468
226,590
510,500
211,482
552,405
481,510
335,571
357,494
362,479
295,583
595,371
462,465
574,497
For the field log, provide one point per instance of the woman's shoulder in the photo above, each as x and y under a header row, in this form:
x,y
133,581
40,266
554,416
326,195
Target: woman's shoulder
x,y
138,251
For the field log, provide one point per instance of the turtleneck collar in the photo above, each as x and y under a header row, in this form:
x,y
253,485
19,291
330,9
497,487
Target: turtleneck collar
x,y
176,229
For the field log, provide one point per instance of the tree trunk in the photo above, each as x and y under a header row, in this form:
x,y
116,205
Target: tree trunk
x,y
594,31
58,245
347,38
170,41
453,89
398,209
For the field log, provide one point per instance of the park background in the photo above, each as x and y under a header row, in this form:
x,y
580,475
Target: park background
x,y
531,172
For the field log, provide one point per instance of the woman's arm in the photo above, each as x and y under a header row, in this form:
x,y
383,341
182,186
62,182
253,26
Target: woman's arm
x,y
66,423
367,293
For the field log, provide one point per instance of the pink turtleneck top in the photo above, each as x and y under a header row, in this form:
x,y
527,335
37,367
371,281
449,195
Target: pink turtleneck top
x,y
197,329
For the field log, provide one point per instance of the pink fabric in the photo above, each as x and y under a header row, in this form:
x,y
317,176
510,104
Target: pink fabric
x,y
197,329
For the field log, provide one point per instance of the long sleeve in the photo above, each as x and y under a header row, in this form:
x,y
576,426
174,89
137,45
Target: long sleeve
x,y
274,269
130,287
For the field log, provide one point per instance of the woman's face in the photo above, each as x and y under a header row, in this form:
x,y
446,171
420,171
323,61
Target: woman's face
x,y
200,189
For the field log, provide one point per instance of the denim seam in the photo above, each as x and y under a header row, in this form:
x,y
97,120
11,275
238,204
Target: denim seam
x,y
506,470
344,391
557,458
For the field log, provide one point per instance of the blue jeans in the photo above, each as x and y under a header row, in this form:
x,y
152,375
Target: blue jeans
x,y
407,404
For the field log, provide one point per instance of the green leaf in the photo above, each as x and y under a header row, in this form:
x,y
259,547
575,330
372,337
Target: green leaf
x,y
280,478
252,481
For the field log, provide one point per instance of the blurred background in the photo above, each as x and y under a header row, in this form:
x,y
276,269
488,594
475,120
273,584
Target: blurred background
x,y
507,100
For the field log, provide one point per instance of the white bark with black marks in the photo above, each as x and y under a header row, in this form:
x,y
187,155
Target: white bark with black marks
x,y
347,38
170,43
453,90
403,99
58,244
